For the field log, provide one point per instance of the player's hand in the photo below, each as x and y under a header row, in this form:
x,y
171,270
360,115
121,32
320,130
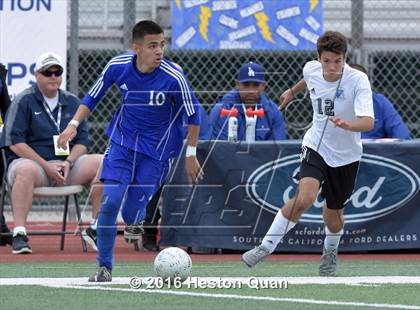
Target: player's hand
x,y
55,172
194,171
66,136
285,99
342,123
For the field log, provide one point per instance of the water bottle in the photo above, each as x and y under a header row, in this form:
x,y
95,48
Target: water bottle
x,y
232,123
233,129
250,129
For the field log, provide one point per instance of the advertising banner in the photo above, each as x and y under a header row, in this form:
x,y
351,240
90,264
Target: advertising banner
x,y
28,29
246,184
246,24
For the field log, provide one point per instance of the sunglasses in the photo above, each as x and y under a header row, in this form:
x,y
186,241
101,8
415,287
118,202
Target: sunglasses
x,y
49,73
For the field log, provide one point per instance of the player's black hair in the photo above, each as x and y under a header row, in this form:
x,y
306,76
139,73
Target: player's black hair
x,y
332,41
145,27
359,67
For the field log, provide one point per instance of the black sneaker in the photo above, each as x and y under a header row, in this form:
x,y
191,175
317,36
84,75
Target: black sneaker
x,y
133,232
89,235
151,247
20,244
149,241
5,240
103,274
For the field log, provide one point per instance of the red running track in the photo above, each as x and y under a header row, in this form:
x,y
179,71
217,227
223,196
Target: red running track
x,y
47,249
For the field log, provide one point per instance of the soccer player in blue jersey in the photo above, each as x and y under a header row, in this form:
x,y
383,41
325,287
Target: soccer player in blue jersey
x,y
145,133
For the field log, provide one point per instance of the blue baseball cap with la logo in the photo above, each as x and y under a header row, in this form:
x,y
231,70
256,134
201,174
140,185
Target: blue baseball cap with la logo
x,y
251,72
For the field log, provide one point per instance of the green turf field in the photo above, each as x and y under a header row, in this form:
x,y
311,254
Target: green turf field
x,y
64,293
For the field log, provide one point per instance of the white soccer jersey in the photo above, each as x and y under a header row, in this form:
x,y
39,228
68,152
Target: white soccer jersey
x,y
338,146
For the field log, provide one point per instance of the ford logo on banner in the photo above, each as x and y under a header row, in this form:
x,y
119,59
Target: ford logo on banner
x,y
383,185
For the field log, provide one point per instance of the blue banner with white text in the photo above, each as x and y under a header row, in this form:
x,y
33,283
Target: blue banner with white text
x,y
246,24
246,184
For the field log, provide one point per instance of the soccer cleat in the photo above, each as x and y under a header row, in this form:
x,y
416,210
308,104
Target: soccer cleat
x,y
328,265
20,244
133,232
89,235
254,256
103,274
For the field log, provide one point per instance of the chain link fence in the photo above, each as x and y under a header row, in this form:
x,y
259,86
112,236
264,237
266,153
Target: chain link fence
x,y
393,73
384,36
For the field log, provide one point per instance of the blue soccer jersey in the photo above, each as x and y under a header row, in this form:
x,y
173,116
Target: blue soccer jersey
x,y
149,120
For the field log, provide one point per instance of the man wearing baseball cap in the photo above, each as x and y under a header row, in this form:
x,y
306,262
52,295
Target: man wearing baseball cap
x,y
33,122
248,94
47,60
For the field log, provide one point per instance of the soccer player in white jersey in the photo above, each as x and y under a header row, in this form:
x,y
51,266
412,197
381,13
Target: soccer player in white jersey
x,y
145,133
331,149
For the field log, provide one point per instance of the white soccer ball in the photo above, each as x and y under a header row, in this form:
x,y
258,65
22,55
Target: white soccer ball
x,y
172,263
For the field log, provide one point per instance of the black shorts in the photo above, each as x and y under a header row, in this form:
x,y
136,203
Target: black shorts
x,y
337,184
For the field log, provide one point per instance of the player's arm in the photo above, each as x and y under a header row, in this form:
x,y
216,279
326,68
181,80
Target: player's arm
x,y
91,99
291,93
80,147
194,171
192,166
362,123
205,128
185,97
363,108
71,130
310,68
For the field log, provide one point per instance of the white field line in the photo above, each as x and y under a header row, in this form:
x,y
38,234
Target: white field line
x,y
244,297
82,284
244,280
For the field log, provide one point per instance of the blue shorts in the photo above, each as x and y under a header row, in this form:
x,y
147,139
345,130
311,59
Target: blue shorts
x,y
140,176
128,167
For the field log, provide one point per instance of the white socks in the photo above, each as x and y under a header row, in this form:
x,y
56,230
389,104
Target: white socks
x,y
332,239
22,229
277,231
19,229
93,223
